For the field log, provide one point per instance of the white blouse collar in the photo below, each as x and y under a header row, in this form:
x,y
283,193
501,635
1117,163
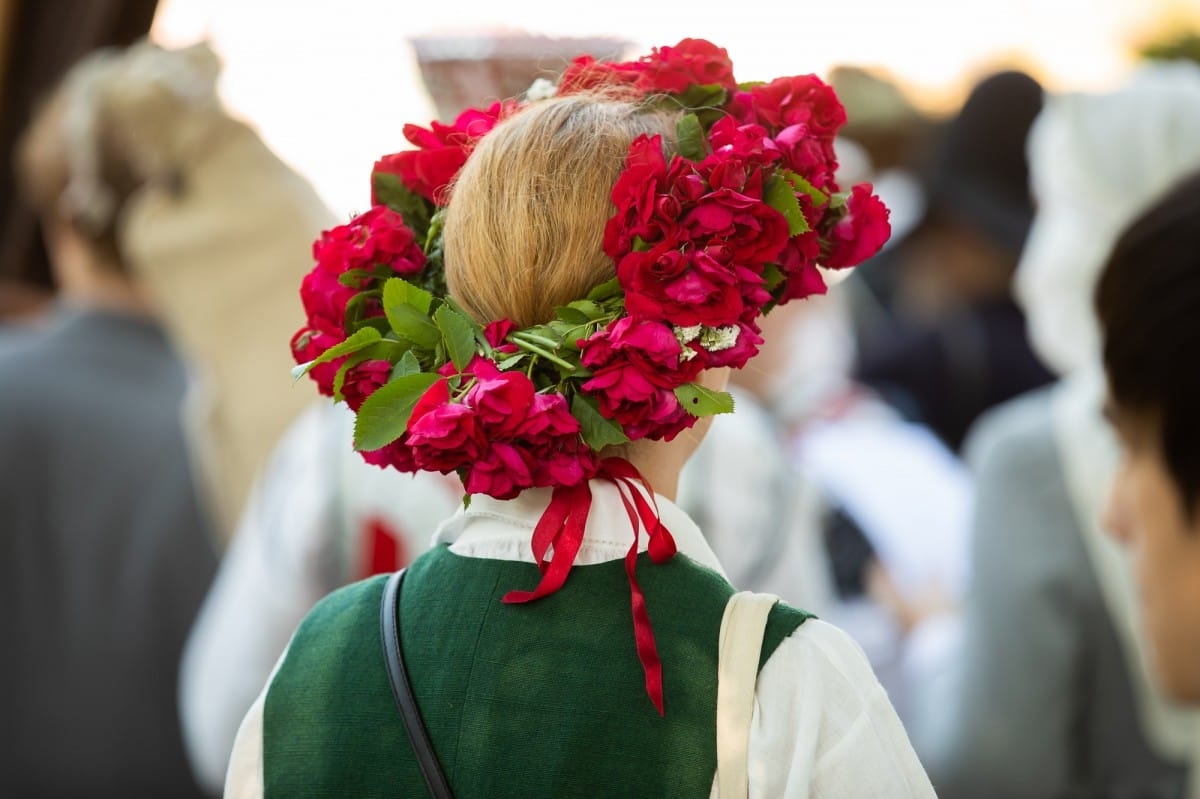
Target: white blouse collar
x,y
501,529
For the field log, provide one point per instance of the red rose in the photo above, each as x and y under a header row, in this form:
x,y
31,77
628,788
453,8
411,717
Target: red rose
x,y
648,348
755,230
377,237
363,379
307,345
502,471
570,465
691,62
861,232
805,99
798,262
495,333
809,156
586,73
682,289
325,300
442,150
634,195
643,409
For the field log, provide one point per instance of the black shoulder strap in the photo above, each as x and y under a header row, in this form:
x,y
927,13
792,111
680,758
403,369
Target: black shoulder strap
x,y
389,623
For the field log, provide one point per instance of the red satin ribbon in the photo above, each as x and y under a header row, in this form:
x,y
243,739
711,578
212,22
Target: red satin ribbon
x,y
562,526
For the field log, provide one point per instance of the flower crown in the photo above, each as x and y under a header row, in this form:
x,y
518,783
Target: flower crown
x,y
703,243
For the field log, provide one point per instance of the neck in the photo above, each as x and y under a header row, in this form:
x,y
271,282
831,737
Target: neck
x,y
89,279
661,462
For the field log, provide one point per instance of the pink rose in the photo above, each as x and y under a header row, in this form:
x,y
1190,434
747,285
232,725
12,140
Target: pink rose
x,y
445,438
861,232
569,464
548,419
691,62
362,380
805,99
648,348
396,455
501,402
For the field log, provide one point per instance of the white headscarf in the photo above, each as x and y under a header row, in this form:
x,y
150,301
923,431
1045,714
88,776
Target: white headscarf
x,y
1097,162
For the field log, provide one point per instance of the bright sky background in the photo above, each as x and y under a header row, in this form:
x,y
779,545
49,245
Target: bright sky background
x,y
330,84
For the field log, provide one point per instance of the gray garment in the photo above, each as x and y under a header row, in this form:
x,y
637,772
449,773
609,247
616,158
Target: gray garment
x,y
1045,707
105,556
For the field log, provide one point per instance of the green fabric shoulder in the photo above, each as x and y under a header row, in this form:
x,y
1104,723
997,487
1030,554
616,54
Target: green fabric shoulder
x,y
543,699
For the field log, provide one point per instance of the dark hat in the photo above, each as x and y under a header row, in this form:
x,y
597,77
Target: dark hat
x,y
980,175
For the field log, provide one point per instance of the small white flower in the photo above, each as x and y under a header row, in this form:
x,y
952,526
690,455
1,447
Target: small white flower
x,y
687,335
715,339
541,89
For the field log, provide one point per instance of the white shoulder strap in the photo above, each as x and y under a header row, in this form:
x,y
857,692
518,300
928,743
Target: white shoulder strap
x,y
742,629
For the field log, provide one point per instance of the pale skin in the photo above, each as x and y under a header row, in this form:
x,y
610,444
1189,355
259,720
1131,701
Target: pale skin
x,y
86,277
1146,512
661,462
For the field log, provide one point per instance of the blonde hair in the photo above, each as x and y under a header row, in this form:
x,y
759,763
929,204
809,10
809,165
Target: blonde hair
x,y
525,221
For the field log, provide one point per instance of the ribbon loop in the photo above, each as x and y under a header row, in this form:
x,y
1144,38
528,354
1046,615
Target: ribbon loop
x,y
562,526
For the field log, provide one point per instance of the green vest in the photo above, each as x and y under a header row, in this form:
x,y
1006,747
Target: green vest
x,y
545,699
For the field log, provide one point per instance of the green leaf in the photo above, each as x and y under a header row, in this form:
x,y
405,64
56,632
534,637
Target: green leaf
x,y
572,316
773,277
380,351
511,361
801,184
597,431
750,84
710,95
700,401
780,195
689,137
415,209
398,291
459,334
363,337
407,365
605,291
384,416
414,327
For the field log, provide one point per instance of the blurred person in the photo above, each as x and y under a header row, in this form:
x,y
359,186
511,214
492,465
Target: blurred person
x,y
955,343
108,544
1053,675
1148,300
548,696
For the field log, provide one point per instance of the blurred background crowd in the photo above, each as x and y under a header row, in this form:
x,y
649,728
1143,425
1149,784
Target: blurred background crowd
x,y
922,454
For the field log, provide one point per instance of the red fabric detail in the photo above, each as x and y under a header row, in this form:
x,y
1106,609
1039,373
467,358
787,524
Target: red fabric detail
x,y
562,526
383,546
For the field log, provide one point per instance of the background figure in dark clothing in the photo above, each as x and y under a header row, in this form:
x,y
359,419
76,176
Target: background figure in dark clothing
x,y
954,342
107,547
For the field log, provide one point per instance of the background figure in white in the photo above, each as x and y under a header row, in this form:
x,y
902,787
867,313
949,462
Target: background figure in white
x,y
319,517
1053,697
883,563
